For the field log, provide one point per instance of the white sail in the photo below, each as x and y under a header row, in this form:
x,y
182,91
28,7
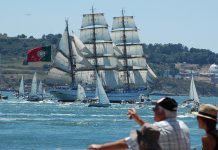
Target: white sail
x,y
85,77
40,90
81,61
63,44
44,92
131,36
81,95
131,50
193,92
34,86
62,62
133,68
101,34
81,47
128,23
98,18
140,78
100,92
21,88
60,77
95,35
61,70
138,63
110,78
102,49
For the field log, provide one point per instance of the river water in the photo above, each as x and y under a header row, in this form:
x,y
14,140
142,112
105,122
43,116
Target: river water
x,y
50,125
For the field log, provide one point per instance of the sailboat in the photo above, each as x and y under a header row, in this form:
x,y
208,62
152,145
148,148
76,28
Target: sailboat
x,y
193,100
81,95
121,66
135,74
68,68
100,95
21,93
33,93
40,90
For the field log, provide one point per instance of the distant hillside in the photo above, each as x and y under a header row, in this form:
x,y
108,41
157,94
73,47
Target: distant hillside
x,y
155,53
16,47
160,57
174,53
181,87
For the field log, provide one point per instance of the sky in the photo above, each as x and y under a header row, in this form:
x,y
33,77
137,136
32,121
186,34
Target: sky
x,y
193,23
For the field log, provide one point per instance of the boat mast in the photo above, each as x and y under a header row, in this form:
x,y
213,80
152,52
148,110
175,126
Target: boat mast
x,y
94,41
125,51
71,58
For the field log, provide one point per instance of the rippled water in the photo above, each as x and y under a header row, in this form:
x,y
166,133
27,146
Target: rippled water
x,y
50,125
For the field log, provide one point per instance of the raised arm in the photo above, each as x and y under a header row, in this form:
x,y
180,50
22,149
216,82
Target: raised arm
x,y
117,145
133,115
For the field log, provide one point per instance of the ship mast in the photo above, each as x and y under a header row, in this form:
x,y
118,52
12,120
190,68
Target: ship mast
x,y
125,51
94,41
71,58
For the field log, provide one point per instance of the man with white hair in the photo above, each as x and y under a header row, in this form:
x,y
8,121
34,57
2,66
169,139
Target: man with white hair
x,y
174,134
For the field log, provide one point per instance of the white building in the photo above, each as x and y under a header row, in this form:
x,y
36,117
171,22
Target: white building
x,y
213,69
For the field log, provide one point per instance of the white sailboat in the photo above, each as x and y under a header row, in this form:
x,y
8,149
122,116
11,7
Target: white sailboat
x,y
193,95
81,94
40,90
193,100
33,93
21,88
68,67
100,95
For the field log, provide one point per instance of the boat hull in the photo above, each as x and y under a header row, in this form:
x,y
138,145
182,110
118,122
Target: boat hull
x,y
34,98
3,97
98,105
114,96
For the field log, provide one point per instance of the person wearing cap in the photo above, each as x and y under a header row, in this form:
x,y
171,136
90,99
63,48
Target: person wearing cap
x,y
207,120
174,134
166,133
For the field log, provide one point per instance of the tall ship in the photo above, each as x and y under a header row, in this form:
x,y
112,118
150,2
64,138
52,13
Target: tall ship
x,y
68,65
119,61
135,73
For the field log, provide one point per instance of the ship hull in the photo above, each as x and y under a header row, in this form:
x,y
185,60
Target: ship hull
x,y
132,96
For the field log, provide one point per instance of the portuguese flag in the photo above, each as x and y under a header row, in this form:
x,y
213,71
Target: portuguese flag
x,y
39,54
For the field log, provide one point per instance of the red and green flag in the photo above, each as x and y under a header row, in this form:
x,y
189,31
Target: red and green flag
x,y
39,54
